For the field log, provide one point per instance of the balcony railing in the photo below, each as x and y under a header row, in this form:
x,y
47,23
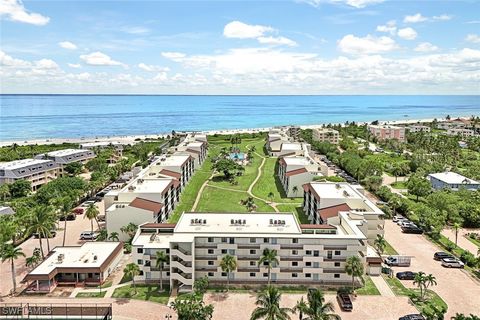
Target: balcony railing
x,y
292,258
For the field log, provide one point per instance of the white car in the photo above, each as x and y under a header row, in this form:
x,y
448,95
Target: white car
x,y
405,222
452,263
395,218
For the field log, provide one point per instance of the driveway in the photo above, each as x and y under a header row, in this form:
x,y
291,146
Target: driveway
x,y
74,228
239,306
459,290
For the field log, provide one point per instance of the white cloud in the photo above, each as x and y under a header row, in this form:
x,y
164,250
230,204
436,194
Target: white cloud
x,y
473,38
135,30
15,11
389,27
162,76
426,47
67,45
277,41
100,59
415,18
473,22
353,3
442,17
175,56
366,45
152,68
46,64
8,61
407,33
73,65
240,30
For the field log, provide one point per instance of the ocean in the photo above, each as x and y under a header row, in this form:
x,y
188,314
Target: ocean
x,y
26,117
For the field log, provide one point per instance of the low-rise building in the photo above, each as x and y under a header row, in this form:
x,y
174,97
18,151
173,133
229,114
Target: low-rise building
x,y
178,166
387,132
116,146
294,172
275,141
66,156
419,128
464,133
325,135
198,150
452,180
294,132
37,171
88,264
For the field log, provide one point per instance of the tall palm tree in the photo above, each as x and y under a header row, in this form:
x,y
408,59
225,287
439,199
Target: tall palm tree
x,y
419,280
41,222
456,227
9,252
430,280
394,202
380,243
228,264
113,236
268,306
315,307
161,258
132,270
65,205
269,257
354,268
300,307
92,214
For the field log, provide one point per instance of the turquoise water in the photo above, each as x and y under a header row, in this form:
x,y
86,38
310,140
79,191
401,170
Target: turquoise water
x,y
237,156
24,117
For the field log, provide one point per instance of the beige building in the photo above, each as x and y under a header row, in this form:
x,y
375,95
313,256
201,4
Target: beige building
x,y
419,128
464,133
66,156
325,135
387,132
196,149
294,132
37,171
178,166
294,172
275,139
309,255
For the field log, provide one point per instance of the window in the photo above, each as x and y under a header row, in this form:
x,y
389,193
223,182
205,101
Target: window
x,y
139,250
224,251
140,273
224,240
294,275
294,264
295,240
265,275
316,253
337,264
210,263
210,274
253,240
265,240
232,240
308,264
231,252
147,263
329,254
265,263
253,263
210,251
336,275
308,252
294,252
210,240
253,251
337,252
316,265
224,274
140,261
308,275
252,274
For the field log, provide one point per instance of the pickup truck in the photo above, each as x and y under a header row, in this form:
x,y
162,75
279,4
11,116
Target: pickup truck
x,y
398,261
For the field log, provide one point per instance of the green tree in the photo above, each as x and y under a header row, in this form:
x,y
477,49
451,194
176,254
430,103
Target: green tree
x,y
64,205
418,186
132,270
4,192
268,306
419,281
299,307
41,222
129,229
200,286
456,227
395,202
269,258
354,268
20,188
92,214
249,203
228,265
295,190
113,236
315,307
10,253
192,307
227,166
102,235
380,243
73,168
160,259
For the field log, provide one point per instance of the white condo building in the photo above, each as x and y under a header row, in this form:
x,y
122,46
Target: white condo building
x,y
452,180
294,172
37,171
66,156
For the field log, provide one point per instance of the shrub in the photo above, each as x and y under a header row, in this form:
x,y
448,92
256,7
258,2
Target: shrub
x,y
468,258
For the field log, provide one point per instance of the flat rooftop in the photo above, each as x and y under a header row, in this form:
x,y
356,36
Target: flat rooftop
x,y
453,178
147,185
89,255
175,160
18,164
195,144
297,161
65,152
291,146
335,190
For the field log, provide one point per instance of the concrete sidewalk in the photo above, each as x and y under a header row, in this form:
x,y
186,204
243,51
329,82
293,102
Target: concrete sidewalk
x,y
382,286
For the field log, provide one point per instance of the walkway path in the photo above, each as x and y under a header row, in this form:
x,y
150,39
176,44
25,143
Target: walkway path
x,y
382,286
388,180
199,195
462,241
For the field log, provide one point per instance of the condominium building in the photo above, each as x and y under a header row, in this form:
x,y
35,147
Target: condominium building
x,y
419,128
198,150
294,172
116,146
458,123
387,132
311,255
464,133
294,132
325,200
178,166
325,135
66,156
275,140
37,171
452,180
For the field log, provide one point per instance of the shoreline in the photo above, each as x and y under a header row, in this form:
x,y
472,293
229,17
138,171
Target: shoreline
x,y
131,139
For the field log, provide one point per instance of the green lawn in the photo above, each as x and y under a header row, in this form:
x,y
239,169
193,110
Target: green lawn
x,y
269,182
144,292
369,288
91,294
243,181
218,200
474,241
399,185
390,250
396,286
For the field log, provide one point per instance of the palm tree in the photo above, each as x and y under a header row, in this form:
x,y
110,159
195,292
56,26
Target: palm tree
x,y
430,280
11,253
456,227
380,243
269,257
34,259
102,235
295,190
315,308
41,222
161,258
419,280
300,307
354,268
129,229
228,264
132,270
271,196
394,202
92,214
249,203
113,236
268,306
65,204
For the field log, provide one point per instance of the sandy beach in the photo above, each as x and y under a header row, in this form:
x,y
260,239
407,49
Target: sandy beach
x,y
132,139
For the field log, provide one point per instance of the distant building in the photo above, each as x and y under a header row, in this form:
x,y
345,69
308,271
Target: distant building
x,y
458,123
275,139
464,133
178,166
116,146
325,135
294,172
88,264
66,156
387,132
452,180
37,171
419,128
196,149
6,211
294,132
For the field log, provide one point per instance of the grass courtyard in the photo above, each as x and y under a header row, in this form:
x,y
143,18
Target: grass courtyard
x,y
144,292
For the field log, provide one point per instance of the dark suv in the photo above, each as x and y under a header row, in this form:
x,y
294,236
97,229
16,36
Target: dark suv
x,y
344,301
412,317
440,255
406,275
412,229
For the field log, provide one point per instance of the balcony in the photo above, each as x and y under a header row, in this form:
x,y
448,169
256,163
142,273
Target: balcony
x,y
248,246
248,270
330,247
291,246
206,268
248,258
333,271
212,257
292,258
292,269
335,259
206,245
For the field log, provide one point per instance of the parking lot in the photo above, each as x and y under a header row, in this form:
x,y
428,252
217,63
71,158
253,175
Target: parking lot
x,y
456,287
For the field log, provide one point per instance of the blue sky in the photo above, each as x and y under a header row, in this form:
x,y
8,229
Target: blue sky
x,y
241,47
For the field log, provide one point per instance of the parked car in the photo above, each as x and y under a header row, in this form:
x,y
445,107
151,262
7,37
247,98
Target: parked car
x,y
344,301
87,203
452,263
441,255
399,261
400,222
396,218
101,217
406,223
88,235
406,275
101,194
71,216
78,210
52,234
412,229
412,317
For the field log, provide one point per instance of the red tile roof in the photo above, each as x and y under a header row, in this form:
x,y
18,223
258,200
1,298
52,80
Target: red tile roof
x,y
170,173
297,171
145,204
332,211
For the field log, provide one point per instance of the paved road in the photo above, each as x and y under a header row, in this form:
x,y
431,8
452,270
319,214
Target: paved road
x,y
459,290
